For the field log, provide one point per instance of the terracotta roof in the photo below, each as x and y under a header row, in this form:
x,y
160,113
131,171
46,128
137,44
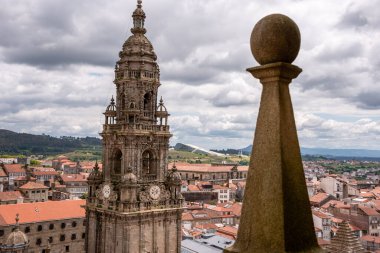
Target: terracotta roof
x,y
74,178
219,187
319,197
187,217
41,173
33,185
228,230
193,188
206,226
206,167
12,195
2,173
23,178
42,211
14,168
369,211
370,238
321,215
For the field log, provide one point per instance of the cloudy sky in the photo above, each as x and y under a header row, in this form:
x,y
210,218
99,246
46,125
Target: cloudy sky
x,y
57,59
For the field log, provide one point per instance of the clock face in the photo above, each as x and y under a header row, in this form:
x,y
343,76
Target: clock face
x,y
154,192
106,191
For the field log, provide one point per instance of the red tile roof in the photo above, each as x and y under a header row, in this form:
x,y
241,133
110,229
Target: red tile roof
x,y
8,196
14,168
370,238
369,211
228,230
74,178
2,173
193,188
33,185
41,173
319,197
321,215
42,211
187,217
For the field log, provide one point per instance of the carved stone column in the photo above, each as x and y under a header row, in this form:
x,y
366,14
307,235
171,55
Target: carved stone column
x,y
276,215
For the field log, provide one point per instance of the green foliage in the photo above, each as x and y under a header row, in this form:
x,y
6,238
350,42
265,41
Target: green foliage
x,y
12,143
35,162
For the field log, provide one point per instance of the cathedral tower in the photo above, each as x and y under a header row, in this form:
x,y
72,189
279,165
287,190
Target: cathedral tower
x,y
134,204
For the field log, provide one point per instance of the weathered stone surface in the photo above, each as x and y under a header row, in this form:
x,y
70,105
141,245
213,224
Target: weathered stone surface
x,y
276,215
275,38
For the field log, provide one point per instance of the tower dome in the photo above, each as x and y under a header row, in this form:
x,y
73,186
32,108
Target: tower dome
x,y
16,240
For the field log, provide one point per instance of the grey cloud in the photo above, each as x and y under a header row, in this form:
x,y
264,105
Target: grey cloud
x,y
368,100
352,19
341,52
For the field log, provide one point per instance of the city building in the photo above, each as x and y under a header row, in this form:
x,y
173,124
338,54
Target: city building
x,y
34,192
59,225
135,204
11,197
75,184
13,171
212,173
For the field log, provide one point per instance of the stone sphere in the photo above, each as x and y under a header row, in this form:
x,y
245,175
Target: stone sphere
x,y
275,38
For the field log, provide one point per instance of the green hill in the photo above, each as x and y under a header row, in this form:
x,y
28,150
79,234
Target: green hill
x,y
12,143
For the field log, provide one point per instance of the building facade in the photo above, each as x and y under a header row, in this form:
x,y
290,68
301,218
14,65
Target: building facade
x,y
134,204
55,225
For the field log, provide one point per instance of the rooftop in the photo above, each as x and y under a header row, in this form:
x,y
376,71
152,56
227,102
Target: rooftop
x,y
8,196
41,211
33,185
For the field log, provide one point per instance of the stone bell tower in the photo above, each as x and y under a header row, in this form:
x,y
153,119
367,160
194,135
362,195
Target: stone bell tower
x,y
134,204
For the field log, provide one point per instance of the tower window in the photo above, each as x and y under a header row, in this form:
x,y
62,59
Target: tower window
x,y
148,166
116,162
147,100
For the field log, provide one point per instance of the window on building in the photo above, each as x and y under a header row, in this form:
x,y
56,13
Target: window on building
x,y
63,225
148,163
116,161
39,228
38,241
62,237
67,248
83,235
51,239
84,222
33,191
73,236
27,230
1,232
51,226
74,224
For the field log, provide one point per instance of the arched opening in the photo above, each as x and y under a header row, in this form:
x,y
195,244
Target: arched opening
x,y
148,164
116,161
147,100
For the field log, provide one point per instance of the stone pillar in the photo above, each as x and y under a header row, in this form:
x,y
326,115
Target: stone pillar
x,y
276,215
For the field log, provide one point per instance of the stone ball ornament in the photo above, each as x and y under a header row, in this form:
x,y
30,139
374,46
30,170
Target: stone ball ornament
x,y
275,38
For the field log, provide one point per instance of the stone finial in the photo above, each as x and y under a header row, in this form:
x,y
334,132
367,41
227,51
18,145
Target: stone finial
x,y
276,214
275,38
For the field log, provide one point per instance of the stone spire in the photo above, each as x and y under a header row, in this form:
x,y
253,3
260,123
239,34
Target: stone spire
x,y
345,241
138,19
276,214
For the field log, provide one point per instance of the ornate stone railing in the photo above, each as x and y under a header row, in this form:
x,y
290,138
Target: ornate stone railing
x,y
135,127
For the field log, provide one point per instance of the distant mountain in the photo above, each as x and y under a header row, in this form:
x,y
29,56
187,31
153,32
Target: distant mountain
x,y
28,144
335,153
195,149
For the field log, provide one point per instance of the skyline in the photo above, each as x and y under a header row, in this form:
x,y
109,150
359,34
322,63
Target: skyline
x,y
52,53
